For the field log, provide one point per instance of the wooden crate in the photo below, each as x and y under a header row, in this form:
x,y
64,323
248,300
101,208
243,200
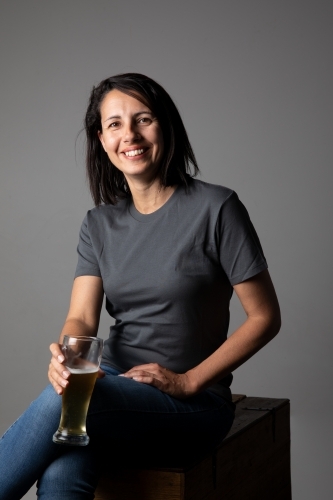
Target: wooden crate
x,y
252,463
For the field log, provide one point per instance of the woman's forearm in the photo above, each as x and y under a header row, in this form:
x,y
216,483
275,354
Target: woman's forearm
x,y
85,307
77,328
258,298
248,339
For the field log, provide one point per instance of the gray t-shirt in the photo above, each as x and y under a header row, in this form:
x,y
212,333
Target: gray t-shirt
x,y
168,275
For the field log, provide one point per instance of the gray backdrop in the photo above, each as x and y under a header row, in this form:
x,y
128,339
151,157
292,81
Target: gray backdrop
x,y
253,82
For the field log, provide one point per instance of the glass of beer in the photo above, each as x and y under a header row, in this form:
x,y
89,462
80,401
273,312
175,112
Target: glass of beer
x,y
82,359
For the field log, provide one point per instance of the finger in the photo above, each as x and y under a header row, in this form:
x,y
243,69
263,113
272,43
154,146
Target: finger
x,y
136,373
58,389
58,375
101,373
57,382
57,352
60,368
150,368
149,379
144,377
60,378
147,366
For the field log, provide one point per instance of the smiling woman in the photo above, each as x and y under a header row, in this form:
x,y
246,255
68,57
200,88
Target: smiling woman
x,y
167,251
131,137
136,105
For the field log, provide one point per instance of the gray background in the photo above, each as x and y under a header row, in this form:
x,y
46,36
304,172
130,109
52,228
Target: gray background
x,y
253,82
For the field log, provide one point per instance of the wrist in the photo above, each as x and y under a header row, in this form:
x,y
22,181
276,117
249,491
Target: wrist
x,y
192,385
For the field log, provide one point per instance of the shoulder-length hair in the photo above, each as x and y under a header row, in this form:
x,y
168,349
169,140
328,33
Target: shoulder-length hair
x,y
107,183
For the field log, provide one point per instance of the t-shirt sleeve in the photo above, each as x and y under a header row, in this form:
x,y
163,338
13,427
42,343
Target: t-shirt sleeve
x,y
241,254
87,262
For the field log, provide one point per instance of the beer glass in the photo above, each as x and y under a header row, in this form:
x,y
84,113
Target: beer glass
x,y
82,359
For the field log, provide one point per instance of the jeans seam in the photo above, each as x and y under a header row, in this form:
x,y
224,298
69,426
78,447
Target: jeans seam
x,y
9,428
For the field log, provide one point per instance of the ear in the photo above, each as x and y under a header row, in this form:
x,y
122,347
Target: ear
x,y
101,138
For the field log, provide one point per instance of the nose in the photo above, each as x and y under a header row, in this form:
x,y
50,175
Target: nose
x,y
131,133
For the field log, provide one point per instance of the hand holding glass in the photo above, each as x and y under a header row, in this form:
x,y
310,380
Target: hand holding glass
x,y
82,359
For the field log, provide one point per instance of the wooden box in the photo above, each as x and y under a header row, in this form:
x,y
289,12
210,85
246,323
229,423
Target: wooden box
x,y
252,463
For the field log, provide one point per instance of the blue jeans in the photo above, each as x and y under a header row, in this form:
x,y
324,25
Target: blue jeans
x,y
127,421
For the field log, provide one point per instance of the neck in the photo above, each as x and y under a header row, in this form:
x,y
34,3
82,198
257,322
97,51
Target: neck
x,y
148,198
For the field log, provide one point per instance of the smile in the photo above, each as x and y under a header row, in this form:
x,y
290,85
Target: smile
x,y
135,152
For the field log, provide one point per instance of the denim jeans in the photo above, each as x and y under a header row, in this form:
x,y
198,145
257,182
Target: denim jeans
x,y
129,422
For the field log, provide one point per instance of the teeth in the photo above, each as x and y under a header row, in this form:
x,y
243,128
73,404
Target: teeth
x,y
135,152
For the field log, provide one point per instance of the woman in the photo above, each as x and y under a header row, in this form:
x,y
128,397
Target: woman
x,y
167,251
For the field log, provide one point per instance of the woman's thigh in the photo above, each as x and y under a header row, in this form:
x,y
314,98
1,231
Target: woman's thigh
x,y
132,418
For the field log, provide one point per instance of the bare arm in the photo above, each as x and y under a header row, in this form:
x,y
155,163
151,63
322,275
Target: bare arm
x,y
82,319
260,304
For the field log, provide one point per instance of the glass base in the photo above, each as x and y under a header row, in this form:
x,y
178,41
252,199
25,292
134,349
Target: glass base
x,y
61,437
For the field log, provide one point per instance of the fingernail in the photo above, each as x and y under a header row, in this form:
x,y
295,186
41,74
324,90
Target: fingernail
x,y
65,374
61,358
64,383
121,375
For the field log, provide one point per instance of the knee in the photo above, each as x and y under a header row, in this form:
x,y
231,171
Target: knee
x,y
72,475
47,407
48,400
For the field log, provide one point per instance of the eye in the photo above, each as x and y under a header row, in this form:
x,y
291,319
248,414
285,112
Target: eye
x,y
113,125
145,120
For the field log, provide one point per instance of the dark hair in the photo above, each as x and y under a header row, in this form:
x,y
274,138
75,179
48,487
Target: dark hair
x,y
107,183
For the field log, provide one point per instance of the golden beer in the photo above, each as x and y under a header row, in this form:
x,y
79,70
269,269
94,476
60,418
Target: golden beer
x,y
75,401
82,358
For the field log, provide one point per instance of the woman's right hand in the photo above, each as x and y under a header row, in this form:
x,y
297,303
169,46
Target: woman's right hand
x,y
58,374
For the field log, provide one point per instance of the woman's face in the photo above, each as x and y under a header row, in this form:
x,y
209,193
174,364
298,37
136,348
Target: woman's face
x,y
131,136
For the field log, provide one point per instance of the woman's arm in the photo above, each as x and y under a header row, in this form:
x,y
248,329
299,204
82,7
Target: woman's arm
x,y
82,319
263,322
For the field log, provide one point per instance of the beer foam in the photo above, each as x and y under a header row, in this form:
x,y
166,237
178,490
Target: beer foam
x,y
82,371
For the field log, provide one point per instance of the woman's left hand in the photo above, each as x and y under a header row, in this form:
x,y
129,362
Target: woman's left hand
x,y
175,384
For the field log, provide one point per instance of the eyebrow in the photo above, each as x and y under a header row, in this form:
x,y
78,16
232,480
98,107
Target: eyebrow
x,y
135,115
